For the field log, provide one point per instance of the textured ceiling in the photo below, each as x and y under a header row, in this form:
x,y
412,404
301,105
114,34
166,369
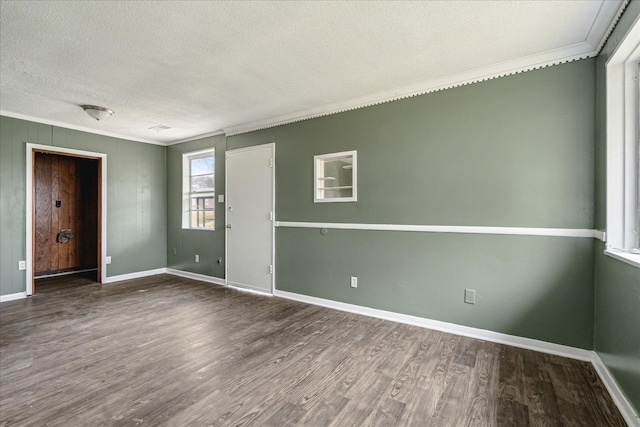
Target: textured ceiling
x,y
200,67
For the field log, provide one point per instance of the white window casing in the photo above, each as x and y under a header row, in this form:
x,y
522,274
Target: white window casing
x,y
335,177
623,149
199,217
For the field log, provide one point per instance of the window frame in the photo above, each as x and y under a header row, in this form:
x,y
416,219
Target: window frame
x,y
623,148
188,194
321,179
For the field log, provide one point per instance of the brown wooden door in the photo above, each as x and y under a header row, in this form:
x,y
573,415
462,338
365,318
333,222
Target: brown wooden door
x,y
65,199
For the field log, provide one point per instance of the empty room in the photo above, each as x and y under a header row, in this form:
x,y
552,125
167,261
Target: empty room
x,y
320,213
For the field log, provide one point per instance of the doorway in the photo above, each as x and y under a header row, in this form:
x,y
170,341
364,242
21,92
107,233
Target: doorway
x,y
65,213
250,197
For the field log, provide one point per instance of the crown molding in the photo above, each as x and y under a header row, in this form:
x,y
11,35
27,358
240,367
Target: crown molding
x,y
601,28
520,65
612,25
195,138
607,16
74,127
105,133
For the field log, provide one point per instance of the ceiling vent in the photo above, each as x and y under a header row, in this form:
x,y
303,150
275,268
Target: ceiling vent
x,y
160,128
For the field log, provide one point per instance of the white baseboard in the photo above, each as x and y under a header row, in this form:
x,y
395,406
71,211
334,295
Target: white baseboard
x,y
217,281
12,297
136,275
621,401
625,407
196,276
66,273
247,288
452,328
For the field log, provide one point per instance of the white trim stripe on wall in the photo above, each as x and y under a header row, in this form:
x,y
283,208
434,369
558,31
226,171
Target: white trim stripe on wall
x,y
516,231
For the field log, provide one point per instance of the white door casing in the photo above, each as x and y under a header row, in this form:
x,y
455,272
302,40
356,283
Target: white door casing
x,y
250,197
31,149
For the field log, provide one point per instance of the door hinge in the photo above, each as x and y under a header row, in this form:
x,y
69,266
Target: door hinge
x,y
271,269
270,163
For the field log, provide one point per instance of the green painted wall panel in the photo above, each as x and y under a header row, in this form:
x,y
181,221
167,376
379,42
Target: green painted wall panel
x,y
536,287
136,197
617,285
13,198
208,244
515,151
617,321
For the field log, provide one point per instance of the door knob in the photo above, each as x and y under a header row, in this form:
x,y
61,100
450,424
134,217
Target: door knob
x,y
64,236
228,225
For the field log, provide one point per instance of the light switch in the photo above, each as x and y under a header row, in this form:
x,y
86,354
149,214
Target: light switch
x,y
220,198
470,296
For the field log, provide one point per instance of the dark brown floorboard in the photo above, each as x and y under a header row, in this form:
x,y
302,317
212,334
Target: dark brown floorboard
x,y
169,351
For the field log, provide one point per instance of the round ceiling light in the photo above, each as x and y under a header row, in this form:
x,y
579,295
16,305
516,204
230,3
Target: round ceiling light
x,y
96,112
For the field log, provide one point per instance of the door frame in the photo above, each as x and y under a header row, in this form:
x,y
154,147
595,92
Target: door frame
x,y
272,146
30,206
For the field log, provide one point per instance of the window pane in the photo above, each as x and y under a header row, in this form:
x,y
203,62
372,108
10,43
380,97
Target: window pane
x,y
202,219
209,202
202,203
202,183
202,165
199,189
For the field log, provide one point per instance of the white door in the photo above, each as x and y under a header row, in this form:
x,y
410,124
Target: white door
x,y
250,206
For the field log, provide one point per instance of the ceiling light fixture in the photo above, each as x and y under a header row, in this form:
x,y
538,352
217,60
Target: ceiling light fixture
x,y
96,112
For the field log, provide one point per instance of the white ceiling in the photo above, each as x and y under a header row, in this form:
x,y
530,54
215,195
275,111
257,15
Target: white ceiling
x,y
201,67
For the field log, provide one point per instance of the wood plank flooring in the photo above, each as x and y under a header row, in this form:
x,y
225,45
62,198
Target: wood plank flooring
x,y
166,351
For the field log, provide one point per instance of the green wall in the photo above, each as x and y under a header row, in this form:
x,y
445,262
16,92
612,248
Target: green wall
x,y
136,198
515,151
617,321
187,243
617,285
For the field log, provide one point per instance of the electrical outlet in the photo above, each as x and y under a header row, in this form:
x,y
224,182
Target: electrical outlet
x,y
354,282
197,258
107,260
470,296
220,198
22,265
174,251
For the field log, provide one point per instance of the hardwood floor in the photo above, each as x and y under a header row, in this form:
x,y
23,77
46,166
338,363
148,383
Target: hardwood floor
x,y
169,351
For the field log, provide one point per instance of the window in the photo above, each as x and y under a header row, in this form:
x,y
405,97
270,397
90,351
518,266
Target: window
x,y
336,177
623,150
198,190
